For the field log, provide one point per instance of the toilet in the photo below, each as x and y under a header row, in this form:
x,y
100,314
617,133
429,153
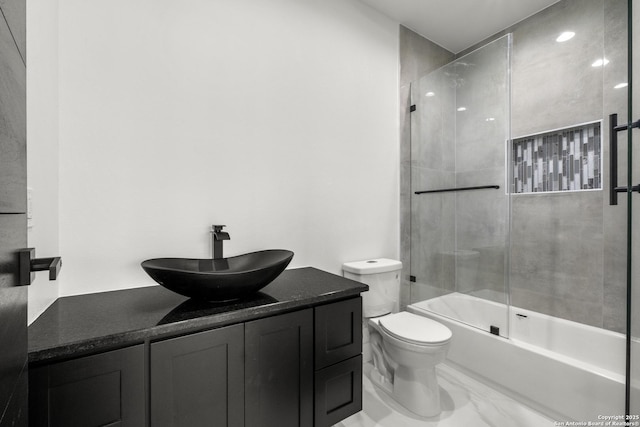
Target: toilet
x,y
405,347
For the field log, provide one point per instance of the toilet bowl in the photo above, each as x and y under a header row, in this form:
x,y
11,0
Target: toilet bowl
x,y
405,347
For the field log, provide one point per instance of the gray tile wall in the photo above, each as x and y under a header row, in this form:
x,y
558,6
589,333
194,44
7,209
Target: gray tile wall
x,y
554,84
557,255
567,250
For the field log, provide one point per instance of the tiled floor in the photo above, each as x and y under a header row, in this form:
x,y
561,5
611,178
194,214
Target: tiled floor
x,y
465,402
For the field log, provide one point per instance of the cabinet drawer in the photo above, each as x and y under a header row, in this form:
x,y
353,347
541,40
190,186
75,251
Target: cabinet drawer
x,y
338,391
92,391
338,331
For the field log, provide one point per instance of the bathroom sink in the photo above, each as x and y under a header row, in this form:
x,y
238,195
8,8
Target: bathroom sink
x,y
221,279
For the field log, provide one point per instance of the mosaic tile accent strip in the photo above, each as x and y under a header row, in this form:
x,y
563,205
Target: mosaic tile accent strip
x,y
562,160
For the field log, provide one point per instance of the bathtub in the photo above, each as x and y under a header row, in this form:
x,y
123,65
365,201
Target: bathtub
x,y
564,369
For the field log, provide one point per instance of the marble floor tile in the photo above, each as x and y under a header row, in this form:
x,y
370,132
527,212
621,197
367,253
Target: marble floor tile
x,y
465,401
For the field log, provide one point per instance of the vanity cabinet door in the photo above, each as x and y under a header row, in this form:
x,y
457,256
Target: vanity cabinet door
x,y
106,389
197,380
279,371
338,329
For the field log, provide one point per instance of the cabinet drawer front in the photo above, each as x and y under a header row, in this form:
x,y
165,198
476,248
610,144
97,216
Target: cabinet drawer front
x,y
196,380
92,391
338,392
338,330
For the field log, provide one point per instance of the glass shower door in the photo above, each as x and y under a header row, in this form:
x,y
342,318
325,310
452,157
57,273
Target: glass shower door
x,y
623,183
549,236
459,203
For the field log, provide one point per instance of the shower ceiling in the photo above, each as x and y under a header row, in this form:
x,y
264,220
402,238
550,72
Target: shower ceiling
x,y
458,24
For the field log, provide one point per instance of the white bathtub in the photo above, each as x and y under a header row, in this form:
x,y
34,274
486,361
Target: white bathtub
x,y
565,369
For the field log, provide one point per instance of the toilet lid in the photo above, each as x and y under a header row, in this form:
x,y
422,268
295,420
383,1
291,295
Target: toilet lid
x,y
415,329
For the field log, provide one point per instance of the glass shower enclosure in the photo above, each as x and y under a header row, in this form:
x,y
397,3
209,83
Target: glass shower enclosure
x,y
460,203
513,168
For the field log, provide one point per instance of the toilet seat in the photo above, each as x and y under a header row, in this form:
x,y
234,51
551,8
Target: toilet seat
x,y
414,329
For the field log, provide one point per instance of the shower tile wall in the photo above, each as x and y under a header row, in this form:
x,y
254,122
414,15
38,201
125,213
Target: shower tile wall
x,y
554,86
556,255
558,260
567,249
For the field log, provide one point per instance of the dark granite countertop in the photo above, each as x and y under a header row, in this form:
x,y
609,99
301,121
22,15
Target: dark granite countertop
x,y
92,323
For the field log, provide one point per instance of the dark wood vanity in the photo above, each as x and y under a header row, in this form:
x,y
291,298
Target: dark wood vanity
x,y
291,356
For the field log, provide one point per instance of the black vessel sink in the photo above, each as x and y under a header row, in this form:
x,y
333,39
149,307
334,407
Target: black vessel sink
x,y
221,279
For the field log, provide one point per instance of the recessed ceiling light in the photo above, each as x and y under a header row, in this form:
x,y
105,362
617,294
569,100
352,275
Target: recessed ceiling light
x,y
567,35
490,119
621,85
600,62
429,94
462,108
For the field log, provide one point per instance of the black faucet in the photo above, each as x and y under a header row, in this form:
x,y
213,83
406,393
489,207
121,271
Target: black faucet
x,y
216,240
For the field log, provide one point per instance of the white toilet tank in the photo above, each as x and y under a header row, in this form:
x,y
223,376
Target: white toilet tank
x,y
383,277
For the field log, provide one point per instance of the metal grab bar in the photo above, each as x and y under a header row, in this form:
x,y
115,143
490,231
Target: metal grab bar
x,y
444,190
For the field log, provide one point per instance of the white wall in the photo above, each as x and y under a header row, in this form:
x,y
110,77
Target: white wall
x,y
42,142
277,118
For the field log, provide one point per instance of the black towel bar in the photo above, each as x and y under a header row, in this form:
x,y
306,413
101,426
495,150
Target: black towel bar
x,y
444,190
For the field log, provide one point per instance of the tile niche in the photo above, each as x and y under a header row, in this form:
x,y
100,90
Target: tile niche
x,y
568,159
